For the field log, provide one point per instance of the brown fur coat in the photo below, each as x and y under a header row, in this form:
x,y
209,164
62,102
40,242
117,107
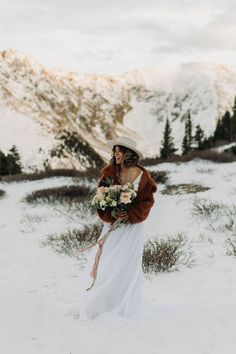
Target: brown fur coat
x,y
143,202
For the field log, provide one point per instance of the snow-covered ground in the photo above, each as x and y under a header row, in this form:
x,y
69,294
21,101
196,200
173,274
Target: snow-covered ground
x,y
39,288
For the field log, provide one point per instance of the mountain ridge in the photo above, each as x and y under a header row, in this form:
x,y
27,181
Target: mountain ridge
x,y
100,107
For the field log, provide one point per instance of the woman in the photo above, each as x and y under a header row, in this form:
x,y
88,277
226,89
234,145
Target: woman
x,y
117,290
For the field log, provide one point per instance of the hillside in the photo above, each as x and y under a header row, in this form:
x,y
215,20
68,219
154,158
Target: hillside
x,y
42,111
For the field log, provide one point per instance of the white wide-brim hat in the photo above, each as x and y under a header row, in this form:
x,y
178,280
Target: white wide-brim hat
x,y
127,142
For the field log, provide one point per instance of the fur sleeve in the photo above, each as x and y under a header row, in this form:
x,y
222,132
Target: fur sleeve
x,y
105,215
139,211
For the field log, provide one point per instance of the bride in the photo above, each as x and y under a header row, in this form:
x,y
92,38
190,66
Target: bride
x,y
117,290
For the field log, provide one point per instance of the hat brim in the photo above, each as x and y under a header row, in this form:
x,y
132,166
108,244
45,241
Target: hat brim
x,y
112,143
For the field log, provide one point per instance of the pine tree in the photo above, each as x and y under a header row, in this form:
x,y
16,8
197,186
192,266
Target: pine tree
x,y
233,122
167,148
226,126
3,164
208,142
185,147
199,137
217,133
188,138
189,130
223,129
13,161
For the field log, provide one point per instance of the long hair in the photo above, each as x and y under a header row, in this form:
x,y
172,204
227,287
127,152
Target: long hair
x,y
131,158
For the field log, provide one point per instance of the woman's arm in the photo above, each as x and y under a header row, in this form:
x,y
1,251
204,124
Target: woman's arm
x,y
140,210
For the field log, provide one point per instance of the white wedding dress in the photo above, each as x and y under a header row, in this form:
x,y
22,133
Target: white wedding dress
x,y
117,292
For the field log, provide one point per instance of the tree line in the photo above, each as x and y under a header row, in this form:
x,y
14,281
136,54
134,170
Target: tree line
x,y
195,139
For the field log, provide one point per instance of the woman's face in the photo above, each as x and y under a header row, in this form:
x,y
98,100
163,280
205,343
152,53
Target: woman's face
x,y
119,155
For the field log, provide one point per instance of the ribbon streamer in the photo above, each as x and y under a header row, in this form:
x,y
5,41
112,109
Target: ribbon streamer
x,y
101,242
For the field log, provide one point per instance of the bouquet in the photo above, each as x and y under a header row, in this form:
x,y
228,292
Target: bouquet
x,y
115,197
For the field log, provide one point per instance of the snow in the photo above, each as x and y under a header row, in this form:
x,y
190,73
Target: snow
x,y
39,289
22,130
224,147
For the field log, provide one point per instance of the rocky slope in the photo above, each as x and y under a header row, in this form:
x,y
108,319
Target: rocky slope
x,y
63,119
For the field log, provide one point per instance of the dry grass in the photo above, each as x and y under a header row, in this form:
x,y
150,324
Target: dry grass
x,y
88,174
159,176
71,193
208,154
179,189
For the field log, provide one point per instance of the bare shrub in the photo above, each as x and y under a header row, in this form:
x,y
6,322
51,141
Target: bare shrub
x,y
159,176
206,208
219,216
163,255
230,247
184,189
71,241
229,218
59,194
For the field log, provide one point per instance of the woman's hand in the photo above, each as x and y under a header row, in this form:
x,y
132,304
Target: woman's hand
x,y
121,215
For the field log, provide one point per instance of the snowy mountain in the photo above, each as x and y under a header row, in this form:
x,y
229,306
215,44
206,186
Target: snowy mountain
x,y
206,90
40,108
37,105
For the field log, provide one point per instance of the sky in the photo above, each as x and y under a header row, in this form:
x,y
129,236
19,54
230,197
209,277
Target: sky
x,y
113,37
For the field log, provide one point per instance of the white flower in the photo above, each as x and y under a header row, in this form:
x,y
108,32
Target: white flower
x,y
114,203
125,197
103,204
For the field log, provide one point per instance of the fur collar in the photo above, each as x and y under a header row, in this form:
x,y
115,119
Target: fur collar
x,y
113,170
